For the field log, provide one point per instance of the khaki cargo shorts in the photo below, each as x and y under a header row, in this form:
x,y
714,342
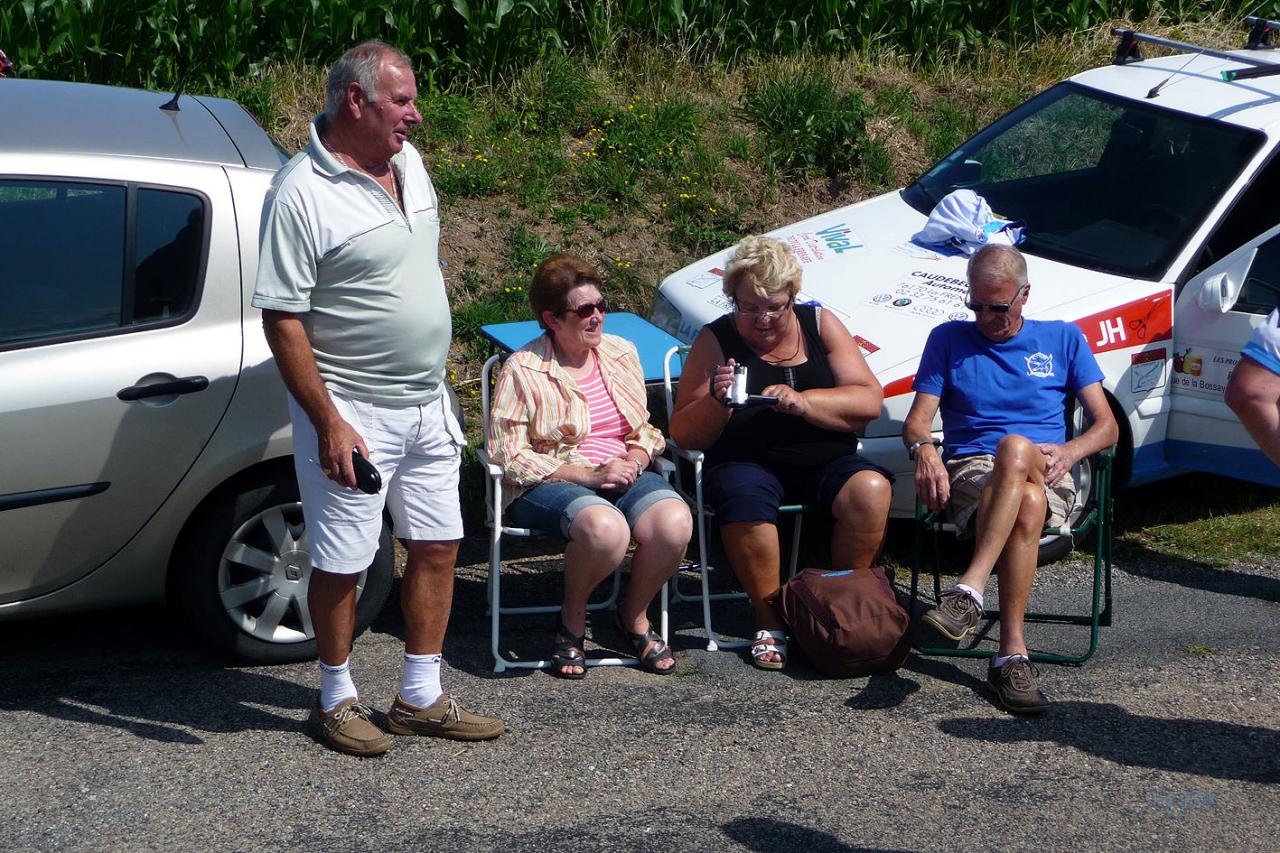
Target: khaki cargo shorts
x,y
969,474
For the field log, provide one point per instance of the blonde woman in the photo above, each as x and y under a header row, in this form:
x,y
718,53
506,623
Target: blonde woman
x,y
801,449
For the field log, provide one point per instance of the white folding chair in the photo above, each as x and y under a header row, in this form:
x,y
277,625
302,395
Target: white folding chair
x,y
694,497
497,529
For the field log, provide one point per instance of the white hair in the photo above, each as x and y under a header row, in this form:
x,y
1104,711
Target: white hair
x,y
362,64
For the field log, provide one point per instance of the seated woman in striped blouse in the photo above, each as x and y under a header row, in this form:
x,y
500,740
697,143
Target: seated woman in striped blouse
x,y
570,427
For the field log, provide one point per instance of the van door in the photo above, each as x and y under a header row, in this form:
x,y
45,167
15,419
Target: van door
x,y
1213,318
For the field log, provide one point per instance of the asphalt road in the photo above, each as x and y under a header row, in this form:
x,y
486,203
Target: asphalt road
x,y
118,733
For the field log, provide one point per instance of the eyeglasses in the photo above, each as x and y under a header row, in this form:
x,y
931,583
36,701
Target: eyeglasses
x,y
754,314
995,307
586,309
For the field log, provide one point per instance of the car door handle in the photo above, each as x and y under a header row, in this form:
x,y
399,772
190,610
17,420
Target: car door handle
x,y
185,385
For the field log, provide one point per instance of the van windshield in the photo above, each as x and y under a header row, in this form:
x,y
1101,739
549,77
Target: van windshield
x,y
1100,182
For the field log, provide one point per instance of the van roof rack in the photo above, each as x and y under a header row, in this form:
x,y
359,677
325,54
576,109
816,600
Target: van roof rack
x,y
1259,39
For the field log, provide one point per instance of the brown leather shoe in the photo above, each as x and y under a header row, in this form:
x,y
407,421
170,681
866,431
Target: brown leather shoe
x,y
956,616
444,718
1015,685
348,728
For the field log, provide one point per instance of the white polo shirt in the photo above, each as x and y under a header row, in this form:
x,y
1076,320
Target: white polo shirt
x,y
364,275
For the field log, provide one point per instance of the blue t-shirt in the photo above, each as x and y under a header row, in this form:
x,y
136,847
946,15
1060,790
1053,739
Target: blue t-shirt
x,y
1264,346
1016,387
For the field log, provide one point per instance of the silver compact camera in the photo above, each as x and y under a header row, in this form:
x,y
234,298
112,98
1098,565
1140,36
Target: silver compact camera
x,y
738,398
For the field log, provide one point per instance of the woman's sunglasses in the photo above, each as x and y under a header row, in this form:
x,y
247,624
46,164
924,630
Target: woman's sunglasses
x,y
586,309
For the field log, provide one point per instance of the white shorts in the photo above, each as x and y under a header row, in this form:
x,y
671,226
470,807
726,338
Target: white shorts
x,y
416,449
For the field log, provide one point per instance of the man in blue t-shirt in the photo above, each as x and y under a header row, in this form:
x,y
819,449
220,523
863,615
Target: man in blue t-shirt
x,y
1253,391
1001,384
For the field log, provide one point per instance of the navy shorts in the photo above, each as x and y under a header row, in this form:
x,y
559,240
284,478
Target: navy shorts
x,y
551,507
747,491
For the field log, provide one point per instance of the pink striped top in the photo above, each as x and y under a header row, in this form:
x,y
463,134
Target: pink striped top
x,y
604,439
538,414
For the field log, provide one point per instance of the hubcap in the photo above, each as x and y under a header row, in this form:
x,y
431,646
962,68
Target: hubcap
x,y
263,575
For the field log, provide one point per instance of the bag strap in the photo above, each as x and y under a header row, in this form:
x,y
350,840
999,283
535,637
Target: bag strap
x,y
816,608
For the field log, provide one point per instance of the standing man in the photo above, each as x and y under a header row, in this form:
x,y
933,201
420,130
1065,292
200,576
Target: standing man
x,y
355,312
1001,382
1253,391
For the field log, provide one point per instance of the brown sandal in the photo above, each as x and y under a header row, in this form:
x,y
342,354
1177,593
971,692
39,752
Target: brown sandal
x,y
658,649
568,652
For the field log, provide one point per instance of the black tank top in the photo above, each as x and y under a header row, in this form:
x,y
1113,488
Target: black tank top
x,y
761,434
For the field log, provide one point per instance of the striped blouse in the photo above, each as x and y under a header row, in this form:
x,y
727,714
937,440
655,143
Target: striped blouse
x,y
604,439
539,417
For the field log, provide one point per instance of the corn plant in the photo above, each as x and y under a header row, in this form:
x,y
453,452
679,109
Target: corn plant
x,y
155,43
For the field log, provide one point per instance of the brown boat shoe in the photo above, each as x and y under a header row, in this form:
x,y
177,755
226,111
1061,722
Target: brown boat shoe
x,y
348,728
443,718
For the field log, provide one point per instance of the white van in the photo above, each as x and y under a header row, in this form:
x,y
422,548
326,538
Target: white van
x,y
1150,192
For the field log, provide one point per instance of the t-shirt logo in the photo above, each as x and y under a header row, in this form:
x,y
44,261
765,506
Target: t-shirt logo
x,y
1040,365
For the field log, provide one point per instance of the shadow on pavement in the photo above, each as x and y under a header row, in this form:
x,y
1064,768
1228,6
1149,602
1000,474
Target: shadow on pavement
x,y
1193,574
1200,747
889,690
882,691
136,671
767,834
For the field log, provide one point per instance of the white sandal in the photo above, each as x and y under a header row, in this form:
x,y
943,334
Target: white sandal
x,y
765,642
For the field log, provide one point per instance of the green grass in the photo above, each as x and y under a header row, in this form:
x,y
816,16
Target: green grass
x,y
1200,517
807,120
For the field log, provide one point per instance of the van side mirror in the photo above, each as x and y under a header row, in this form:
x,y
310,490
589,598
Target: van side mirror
x,y
1218,294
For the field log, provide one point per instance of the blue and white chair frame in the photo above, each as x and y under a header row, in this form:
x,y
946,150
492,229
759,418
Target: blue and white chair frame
x,y
497,529
694,497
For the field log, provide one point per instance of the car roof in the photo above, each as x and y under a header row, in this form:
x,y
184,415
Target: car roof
x,y
56,117
1195,85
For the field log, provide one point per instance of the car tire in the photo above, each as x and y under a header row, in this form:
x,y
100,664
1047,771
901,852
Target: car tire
x,y
241,574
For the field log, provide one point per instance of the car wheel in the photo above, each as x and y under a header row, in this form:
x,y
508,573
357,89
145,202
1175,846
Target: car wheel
x,y
241,575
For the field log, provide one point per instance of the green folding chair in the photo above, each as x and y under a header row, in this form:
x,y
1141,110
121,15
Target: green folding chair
x,y
1091,514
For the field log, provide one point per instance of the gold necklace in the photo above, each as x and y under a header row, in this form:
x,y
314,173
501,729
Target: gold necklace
x,y
395,179
795,352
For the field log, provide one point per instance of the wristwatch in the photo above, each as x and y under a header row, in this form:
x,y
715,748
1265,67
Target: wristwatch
x,y
916,445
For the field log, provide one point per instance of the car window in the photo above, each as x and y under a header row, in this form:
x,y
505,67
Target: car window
x,y
1261,291
1035,146
67,268
1256,210
1100,182
170,239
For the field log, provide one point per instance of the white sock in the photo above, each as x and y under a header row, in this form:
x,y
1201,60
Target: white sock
x,y
971,592
1000,661
420,681
335,685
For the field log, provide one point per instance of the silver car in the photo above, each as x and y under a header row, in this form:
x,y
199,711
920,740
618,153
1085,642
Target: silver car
x,y
144,437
